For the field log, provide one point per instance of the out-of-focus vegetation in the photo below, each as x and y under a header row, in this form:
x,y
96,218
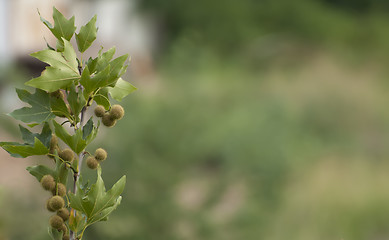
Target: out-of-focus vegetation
x,y
230,27
265,120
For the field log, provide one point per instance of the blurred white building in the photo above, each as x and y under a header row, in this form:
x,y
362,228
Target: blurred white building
x,y
21,31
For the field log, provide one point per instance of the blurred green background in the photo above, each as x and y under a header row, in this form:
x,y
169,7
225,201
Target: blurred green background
x,y
262,119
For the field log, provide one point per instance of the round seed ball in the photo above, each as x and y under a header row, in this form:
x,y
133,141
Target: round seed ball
x,y
56,202
63,213
99,111
60,190
108,121
56,222
92,163
48,182
100,154
48,207
117,112
67,155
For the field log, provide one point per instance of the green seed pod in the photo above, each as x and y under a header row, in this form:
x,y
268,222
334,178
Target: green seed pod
x,y
56,202
108,121
64,229
63,213
92,163
60,190
117,112
48,182
48,206
56,222
99,111
53,141
100,154
67,155
52,151
65,237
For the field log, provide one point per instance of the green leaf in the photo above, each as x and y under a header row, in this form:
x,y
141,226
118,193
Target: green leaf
x,y
59,107
92,64
75,142
101,98
103,215
104,58
31,125
25,150
87,35
99,80
117,68
55,234
29,137
53,79
77,223
121,89
40,107
70,55
59,45
86,82
61,171
39,171
61,73
63,28
78,141
76,100
97,204
87,129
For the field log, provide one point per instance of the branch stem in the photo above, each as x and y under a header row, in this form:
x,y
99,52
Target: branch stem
x,y
77,175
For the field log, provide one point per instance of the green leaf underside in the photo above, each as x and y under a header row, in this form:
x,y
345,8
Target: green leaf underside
x,y
76,142
63,28
87,35
61,73
121,89
39,171
25,150
40,107
97,204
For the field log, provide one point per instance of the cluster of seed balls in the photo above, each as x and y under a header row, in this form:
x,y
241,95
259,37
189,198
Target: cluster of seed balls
x,y
109,118
56,204
93,161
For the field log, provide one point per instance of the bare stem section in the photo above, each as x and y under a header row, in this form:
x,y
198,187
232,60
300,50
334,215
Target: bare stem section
x,y
77,175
